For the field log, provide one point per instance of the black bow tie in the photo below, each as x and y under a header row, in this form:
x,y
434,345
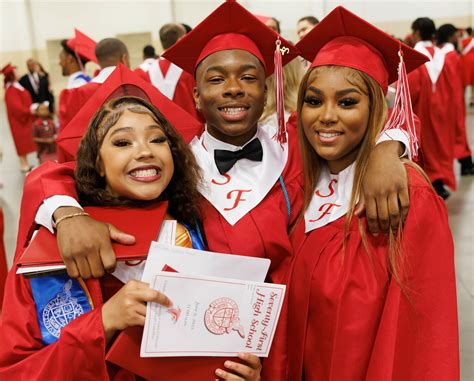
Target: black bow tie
x,y
225,160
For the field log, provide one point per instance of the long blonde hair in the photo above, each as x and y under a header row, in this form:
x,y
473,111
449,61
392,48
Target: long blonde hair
x,y
313,163
292,73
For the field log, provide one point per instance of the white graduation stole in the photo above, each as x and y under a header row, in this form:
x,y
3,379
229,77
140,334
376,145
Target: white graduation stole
x,y
331,198
246,184
166,84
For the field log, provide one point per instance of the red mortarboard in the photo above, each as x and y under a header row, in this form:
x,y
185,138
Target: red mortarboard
x,y
262,18
344,39
230,26
121,82
83,45
7,69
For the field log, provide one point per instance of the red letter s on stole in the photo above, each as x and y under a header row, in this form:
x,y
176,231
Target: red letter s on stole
x,y
227,180
331,189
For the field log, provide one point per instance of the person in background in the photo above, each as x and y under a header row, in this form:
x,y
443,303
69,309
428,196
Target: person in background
x,y
44,134
73,57
149,56
109,52
36,82
273,24
447,38
170,79
305,24
467,61
187,28
20,110
431,95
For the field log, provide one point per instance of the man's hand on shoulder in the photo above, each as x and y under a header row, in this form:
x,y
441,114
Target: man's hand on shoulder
x,y
85,244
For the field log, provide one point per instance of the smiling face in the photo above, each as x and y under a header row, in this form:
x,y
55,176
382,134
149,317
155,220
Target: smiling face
x,y
335,115
135,157
230,92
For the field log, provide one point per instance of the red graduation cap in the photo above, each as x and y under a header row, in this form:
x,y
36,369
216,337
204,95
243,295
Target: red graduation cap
x,y
344,39
230,26
262,18
83,46
121,82
7,69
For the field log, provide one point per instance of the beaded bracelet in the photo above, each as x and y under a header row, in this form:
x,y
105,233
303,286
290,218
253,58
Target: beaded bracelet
x,y
70,216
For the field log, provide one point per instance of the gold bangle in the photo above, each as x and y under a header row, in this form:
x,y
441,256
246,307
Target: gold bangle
x,y
70,216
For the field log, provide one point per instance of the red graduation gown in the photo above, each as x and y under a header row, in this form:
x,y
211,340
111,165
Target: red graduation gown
x,y
467,64
18,102
142,74
351,321
3,261
79,354
437,123
263,231
458,106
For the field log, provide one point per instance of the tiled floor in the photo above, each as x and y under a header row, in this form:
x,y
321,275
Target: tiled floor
x,y
461,214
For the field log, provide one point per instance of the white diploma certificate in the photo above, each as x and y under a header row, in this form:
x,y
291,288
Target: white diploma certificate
x,y
211,317
205,263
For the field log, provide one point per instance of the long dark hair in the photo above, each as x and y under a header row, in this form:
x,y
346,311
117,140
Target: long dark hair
x,y
181,192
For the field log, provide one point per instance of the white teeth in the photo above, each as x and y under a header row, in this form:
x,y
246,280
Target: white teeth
x,y
233,110
144,172
329,134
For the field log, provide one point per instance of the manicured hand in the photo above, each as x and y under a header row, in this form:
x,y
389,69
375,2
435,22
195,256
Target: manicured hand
x,y
385,194
85,244
127,307
248,370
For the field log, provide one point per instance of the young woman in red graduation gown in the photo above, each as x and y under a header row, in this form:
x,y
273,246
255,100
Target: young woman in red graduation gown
x,y
20,118
364,307
130,156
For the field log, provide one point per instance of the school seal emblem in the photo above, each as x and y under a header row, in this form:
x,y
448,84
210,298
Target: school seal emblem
x,y
61,310
222,316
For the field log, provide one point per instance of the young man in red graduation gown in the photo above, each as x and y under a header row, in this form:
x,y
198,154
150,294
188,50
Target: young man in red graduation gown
x,y
109,52
430,88
447,41
364,309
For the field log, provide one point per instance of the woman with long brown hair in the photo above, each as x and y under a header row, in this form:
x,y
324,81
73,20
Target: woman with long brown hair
x,y
364,307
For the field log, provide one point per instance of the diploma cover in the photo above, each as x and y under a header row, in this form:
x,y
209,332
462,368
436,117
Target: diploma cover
x,y
144,223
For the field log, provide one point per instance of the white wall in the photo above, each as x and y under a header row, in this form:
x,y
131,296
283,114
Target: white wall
x,y
104,18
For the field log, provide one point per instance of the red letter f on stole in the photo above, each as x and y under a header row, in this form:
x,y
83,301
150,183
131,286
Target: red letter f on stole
x,y
238,197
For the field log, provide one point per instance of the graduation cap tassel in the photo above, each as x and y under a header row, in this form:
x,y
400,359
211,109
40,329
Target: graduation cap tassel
x,y
402,112
280,102
79,61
